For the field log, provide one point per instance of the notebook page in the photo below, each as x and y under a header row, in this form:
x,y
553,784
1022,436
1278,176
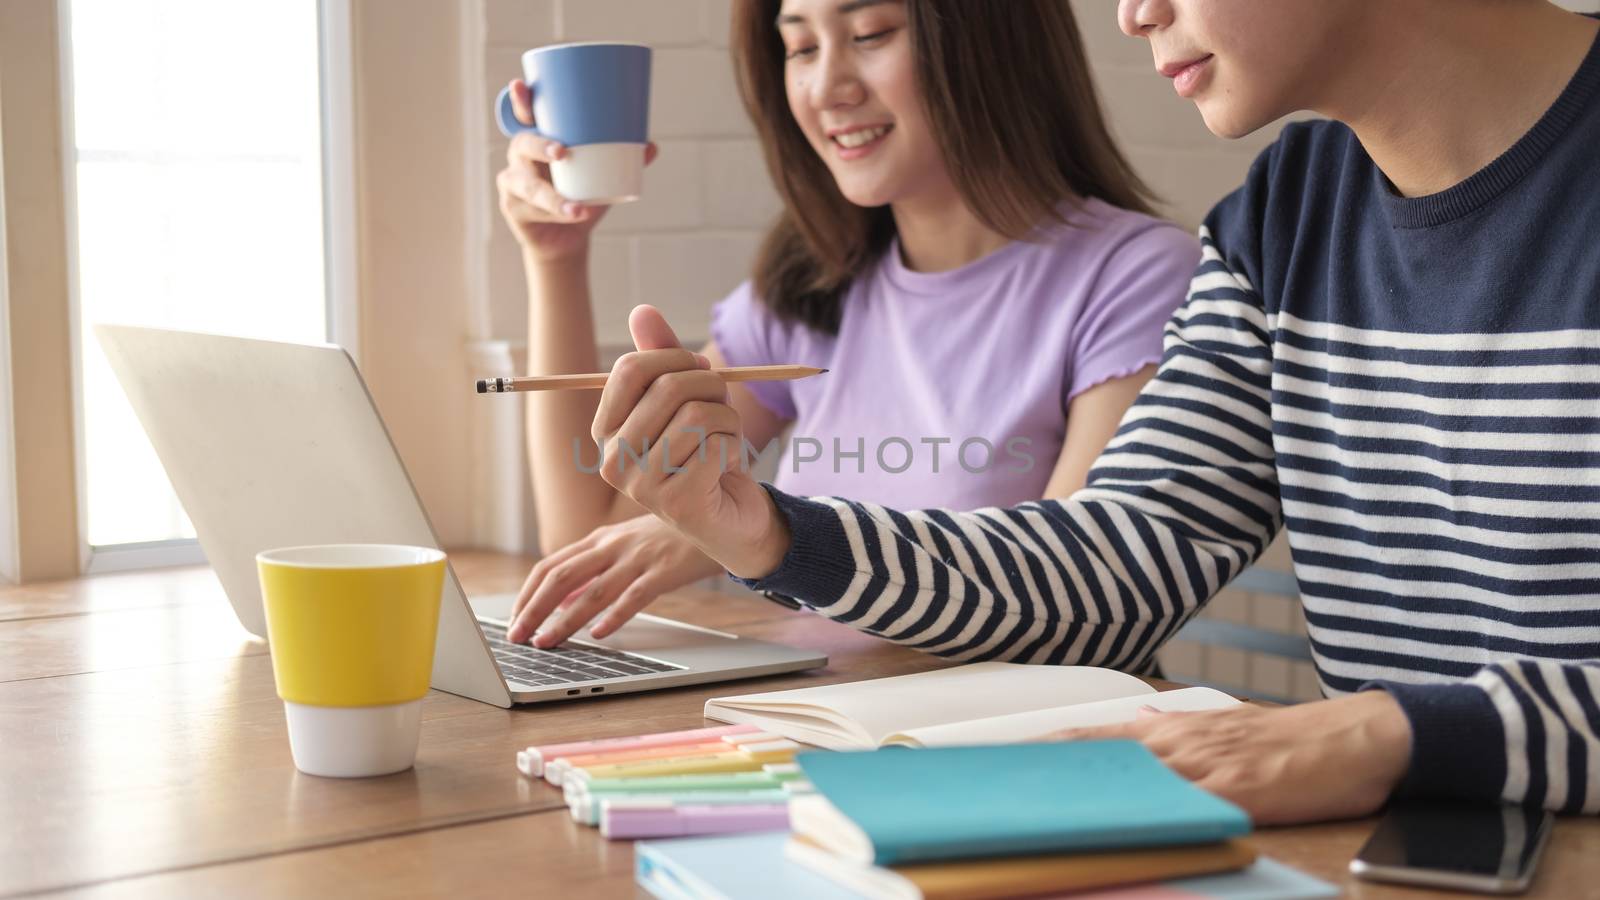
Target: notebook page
x,y
1025,726
883,706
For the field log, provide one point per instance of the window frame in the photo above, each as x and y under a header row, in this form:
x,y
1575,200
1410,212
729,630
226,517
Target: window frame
x,y
37,524
340,262
9,526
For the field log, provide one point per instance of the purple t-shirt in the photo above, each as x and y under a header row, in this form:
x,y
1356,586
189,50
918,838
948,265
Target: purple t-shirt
x,y
950,389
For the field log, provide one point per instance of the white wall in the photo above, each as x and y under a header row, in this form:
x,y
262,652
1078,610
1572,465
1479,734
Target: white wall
x,y
707,197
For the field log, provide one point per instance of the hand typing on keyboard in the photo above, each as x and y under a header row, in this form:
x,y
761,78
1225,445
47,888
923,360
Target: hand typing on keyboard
x,y
608,576
564,665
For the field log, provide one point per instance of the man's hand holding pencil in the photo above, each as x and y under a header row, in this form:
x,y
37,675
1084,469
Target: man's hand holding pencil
x,y
674,444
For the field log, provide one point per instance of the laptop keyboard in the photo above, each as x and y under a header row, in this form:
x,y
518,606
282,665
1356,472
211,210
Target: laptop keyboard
x,y
567,664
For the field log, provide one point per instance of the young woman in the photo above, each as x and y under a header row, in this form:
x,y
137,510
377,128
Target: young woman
x,y
1391,348
961,244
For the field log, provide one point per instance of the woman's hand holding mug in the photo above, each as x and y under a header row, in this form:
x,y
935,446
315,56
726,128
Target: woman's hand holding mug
x,y
543,222
578,120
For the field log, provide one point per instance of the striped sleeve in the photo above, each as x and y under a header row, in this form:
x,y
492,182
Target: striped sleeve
x,y
1524,731
1183,499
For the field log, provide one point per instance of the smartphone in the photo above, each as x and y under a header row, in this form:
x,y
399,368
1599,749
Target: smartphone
x,y
1486,848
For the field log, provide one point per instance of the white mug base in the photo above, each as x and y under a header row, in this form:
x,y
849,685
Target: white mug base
x,y
600,174
353,741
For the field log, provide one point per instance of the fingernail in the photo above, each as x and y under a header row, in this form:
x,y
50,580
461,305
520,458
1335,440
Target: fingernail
x,y
572,210
556,151
702,361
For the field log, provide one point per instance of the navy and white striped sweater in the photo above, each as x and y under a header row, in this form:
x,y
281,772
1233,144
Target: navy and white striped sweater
x,y
1409,386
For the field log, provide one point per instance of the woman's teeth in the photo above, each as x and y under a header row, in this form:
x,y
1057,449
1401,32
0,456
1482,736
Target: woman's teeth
x,y
853,139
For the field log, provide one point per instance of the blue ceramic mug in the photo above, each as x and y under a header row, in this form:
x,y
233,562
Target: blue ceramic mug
x,y
594,98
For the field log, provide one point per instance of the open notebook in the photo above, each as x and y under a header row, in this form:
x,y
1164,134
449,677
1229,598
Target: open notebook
x,y
982,703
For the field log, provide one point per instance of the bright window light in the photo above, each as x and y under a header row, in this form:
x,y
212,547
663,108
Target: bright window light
x,y
198,161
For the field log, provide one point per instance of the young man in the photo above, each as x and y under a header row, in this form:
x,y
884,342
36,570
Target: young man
x,y
1391,349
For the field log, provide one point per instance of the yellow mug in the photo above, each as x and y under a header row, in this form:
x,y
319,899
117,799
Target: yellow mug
x,y
351,628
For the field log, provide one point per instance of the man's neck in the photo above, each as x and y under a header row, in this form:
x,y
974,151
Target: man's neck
x,y
1437,94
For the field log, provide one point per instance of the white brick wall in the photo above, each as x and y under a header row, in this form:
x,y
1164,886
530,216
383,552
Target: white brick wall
x,y
707,198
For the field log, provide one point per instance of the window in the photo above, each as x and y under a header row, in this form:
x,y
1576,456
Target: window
x,y
198,170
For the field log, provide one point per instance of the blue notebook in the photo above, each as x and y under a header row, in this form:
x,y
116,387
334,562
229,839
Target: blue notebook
x,y
899,805
729,867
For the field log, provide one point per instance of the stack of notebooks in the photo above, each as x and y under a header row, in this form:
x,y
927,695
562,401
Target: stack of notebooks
x,y
975,823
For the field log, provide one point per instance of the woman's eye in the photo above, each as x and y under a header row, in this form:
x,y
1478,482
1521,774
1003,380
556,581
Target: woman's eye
x,y
874,37
798,52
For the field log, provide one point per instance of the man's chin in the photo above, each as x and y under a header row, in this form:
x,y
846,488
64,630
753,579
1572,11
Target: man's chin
x,y
1228,122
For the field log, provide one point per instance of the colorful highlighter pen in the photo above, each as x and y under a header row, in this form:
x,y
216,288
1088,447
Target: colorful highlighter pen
x,y
555,770
531,761
667,820
730,781
588,806
746,759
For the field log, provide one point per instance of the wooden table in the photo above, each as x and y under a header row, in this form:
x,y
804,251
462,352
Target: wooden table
x,y
144,755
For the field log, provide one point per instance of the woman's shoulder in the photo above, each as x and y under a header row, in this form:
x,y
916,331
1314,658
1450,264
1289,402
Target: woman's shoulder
x,y
1092,232
1096,235
750,332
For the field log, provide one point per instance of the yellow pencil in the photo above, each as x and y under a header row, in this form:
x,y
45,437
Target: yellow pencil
x,y
597,380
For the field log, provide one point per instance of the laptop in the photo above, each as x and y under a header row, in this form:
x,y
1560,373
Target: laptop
x,y
272,444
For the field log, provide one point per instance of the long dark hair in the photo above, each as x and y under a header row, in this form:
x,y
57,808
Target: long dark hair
x,y
1008,93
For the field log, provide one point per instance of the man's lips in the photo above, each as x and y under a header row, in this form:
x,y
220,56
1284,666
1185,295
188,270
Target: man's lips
x,y
1172,69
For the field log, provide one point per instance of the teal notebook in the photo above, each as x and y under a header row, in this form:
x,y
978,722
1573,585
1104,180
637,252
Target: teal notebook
x,y
897,805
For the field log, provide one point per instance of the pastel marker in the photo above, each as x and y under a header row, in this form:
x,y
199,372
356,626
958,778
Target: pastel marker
x,y
673,821
588,806
731,781
747,759
555,770
531,761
